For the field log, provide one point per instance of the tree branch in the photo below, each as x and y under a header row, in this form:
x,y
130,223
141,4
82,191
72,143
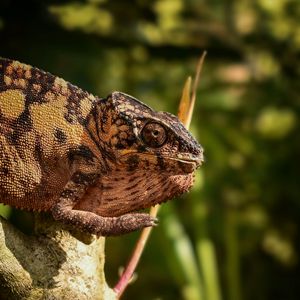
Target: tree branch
x,y
55,263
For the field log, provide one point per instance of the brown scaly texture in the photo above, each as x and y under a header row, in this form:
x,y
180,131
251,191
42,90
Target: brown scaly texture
x,y
91,161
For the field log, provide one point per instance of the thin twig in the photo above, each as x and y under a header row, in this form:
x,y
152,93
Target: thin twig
x,y
185,112
136,255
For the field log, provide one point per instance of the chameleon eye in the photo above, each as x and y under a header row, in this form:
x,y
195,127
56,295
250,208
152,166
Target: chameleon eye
x,y
154,135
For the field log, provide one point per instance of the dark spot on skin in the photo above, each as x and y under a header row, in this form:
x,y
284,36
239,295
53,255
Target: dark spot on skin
x,y
141,148
82,151
38,152
21,125
161,162
4,170
106,187
132,162
24,119
134,178
104,119
109,199
83,179
60,136
133,192
120,146
128,188
130,140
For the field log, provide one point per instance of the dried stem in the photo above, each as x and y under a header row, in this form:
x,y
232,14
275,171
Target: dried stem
x,y
185,111
188,120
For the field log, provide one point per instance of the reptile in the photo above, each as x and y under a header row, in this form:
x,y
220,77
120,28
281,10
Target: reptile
x,y
92,162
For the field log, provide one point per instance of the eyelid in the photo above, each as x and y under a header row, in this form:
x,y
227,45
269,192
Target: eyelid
x,y
151,141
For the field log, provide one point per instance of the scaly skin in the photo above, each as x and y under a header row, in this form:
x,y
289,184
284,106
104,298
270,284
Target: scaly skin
x,y
92,162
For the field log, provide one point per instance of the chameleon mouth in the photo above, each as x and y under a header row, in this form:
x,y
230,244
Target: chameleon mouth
x,y
187,165
195,160
189,162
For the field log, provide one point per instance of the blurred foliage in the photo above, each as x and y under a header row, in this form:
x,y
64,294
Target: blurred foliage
x,y
236,234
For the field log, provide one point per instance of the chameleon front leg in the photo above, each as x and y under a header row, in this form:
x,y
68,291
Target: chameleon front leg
x,y
90,222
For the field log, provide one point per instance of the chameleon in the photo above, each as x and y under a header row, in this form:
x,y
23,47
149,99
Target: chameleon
x,y
93,163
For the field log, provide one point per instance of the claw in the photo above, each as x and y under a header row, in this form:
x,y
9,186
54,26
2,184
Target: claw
x,y
154,221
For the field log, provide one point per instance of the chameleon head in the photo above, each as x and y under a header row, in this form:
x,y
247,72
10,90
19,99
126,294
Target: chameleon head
x,y
151,155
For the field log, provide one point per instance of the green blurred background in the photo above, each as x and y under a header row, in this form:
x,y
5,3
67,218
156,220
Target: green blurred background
x,y
236,234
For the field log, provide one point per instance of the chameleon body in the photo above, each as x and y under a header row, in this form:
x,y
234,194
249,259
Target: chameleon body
x,y
92,162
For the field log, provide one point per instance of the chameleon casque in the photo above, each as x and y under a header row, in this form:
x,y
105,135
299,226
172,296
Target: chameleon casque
x,y
92,162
